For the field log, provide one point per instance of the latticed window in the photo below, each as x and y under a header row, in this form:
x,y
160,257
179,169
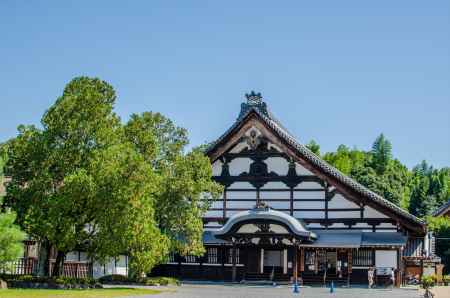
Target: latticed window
x,y
190,259
310,257
230,256
171,257
362,257
212,255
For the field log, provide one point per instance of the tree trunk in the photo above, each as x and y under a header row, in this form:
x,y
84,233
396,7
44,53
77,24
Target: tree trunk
x,y
43,261
59,264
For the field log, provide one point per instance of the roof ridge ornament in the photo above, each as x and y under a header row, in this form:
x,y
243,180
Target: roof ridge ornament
x,y
254,100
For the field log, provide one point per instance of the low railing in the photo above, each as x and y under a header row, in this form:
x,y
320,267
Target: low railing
x,y
74,269
28,266
22,266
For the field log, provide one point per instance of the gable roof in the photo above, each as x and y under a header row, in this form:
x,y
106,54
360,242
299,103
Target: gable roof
x,y
261,111
443,209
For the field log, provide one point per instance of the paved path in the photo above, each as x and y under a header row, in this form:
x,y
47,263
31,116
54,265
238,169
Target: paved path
x,y
229,291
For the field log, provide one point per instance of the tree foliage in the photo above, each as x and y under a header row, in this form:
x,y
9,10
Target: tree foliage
x,y
85,180
419,191
11,237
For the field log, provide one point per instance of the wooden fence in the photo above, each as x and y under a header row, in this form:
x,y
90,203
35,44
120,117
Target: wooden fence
x,y
28,266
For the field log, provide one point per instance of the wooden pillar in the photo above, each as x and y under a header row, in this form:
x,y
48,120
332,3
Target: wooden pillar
x,y
224,208
350,266
233,257
295,264
291,198
223,251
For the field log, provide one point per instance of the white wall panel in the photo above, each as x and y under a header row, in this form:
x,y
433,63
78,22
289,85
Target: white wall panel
x,y
362,225
309,214
279,205
278,165
274,184
302,195
372,213
338,225
247,205
213,214
346,214
386,258
239,165
216,204
216,168
301,170
274,195
309,185
241,194
72,256
309,205
338,201
244,185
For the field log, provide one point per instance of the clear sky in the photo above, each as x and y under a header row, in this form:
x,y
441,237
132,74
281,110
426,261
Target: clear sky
x,y
338,72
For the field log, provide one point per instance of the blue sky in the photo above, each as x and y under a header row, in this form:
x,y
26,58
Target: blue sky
x,y
338,72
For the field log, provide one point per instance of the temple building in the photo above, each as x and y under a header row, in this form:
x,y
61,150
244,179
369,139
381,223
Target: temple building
x,y
287,214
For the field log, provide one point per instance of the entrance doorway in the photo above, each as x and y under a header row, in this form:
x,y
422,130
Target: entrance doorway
x,y
273,261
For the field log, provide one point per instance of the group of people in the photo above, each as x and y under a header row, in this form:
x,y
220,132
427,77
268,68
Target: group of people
x,y
371,277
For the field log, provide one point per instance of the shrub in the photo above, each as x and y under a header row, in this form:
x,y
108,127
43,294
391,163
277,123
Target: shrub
x,y
114,278
446,279
428,281
159,281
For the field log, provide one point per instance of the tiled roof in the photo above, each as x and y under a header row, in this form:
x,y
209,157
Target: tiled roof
x,y
268,118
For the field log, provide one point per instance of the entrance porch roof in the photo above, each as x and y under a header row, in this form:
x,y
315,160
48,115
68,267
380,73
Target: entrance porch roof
x,y
260,215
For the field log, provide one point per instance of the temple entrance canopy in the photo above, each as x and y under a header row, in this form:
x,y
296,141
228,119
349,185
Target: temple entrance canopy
x,y
264,226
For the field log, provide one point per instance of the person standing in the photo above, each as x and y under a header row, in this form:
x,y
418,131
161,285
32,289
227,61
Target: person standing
x,y
392,278
370,274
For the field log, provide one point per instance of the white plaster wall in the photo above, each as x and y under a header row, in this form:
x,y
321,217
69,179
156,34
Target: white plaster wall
x,y
248,205
315,225
386,258
302,195
84,257
241,195
338,201
97,270
216,168
309,185
301,170
264,195
121,265
239,165
345,214
244,185
278,165
216,204
309,205
309,214
274,184
279,205
210,213
362,225
372,213
72,256
337,225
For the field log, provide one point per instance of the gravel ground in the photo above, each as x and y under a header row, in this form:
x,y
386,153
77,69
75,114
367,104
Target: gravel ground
x,y
235,291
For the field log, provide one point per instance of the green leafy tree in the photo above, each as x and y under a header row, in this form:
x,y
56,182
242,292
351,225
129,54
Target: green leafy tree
x,y
11,237
186,188
314,147
440,226
75,183
87,181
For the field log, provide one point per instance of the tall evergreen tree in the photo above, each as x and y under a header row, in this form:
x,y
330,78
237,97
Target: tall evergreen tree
x,y
381,154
